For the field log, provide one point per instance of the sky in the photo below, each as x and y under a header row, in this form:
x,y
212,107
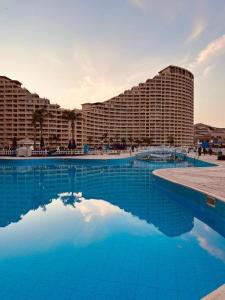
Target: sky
x,y
77,51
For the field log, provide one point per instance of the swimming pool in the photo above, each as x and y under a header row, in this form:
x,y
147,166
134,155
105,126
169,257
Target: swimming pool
x,y
129,235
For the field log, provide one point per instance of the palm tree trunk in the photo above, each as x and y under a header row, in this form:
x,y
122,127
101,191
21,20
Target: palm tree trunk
x,y
73,129
35,136
41,131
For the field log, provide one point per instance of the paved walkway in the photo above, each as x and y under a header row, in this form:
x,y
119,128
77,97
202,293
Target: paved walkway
x,y
104,156
208,180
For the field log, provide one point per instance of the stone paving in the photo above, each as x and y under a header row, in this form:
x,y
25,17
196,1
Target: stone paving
x,y
218,294
93,157
208,180
105,156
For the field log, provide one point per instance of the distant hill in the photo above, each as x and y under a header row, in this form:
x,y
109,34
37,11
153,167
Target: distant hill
x,y
207,132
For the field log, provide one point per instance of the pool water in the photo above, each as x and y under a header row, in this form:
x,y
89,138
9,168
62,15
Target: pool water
x,y
103,230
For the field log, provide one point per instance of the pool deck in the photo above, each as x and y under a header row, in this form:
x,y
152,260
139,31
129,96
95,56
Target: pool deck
x,y
208,180
218,294
88,157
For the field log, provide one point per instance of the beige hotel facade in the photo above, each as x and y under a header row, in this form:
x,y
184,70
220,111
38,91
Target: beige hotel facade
x,y
161,109
17,105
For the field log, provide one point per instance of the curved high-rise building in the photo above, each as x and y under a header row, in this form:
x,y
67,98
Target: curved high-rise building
x,y
160,109
17,105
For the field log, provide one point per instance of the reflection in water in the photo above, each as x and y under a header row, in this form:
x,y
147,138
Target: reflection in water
x,y
129,186
212,243
114,229
90,221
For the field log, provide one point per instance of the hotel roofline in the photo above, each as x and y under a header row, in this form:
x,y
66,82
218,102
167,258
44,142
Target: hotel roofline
x,y
132,88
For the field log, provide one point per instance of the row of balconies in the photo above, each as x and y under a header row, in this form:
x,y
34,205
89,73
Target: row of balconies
x,y
134,105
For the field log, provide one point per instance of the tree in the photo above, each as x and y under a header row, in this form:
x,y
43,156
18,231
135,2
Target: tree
x,y
130,139
38,118
170,140
53,138
137,141
35,122
14,143
104,137
72,116
147,140
123,141
117,138
89,139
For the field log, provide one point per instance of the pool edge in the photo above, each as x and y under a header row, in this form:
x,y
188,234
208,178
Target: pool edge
x,y
161,173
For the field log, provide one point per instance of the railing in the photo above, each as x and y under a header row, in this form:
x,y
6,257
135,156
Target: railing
x,y
109,152
57,153
7,153
41,153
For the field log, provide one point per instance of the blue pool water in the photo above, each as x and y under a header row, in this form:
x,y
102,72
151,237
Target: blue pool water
x,y
128,236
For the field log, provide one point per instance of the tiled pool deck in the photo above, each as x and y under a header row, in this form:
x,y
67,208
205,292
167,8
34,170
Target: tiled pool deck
x,y
89,157
218,294
208,180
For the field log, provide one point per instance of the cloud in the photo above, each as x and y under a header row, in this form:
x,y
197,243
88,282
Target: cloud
x,y
90,221
205,60
216,47
209,240
161,8
196,32
97,80
207,71
139,3
211,248
46,57
106,73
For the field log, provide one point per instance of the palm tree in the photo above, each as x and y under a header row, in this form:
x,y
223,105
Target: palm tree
x,y
147,140
53,138
104,137
137,141
111,140
72,116
42,113
123,141
130,139
35,121
117,138
170,140
38,117
89,139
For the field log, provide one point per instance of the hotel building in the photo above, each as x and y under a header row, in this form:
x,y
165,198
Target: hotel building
x,y
160,109
17,105
203,132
